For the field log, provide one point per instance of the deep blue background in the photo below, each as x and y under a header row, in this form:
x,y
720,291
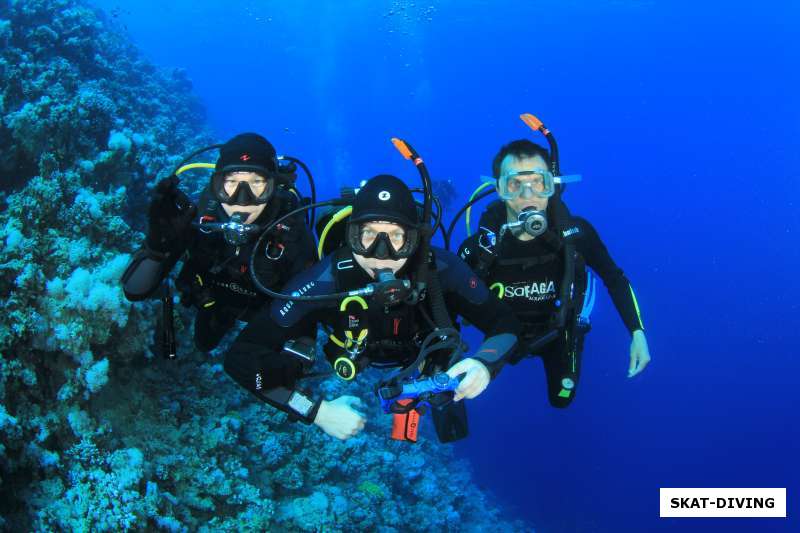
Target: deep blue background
x,y
685,122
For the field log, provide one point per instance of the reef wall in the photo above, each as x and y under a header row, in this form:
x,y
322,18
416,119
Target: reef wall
x,y
96,434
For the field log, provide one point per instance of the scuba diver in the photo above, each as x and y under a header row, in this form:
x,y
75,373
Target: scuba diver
x,y
533,253
248,190
386,300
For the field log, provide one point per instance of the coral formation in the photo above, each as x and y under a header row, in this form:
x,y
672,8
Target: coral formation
x,y
97,435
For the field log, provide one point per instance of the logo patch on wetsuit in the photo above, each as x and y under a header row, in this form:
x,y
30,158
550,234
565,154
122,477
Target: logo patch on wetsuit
x,y
571,231
299,292
234,287
352,321
535,292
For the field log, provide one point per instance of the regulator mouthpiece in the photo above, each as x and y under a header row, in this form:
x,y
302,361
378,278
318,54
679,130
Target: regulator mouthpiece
x,y
534,222
236,231
529,221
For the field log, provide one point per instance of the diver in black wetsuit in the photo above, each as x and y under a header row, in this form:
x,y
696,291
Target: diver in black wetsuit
x,y
521,251
248,191
383,240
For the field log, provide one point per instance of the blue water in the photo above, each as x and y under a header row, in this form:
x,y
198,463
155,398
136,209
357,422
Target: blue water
x,y
684,120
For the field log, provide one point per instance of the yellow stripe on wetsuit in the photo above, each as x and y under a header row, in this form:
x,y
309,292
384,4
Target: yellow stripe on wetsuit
x,y
636,306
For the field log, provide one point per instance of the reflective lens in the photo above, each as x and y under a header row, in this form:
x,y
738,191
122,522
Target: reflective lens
x,y
243,188
397,237
396,243
258,184
537,182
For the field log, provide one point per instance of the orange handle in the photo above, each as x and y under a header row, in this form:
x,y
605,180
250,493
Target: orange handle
x,y
401,147
533,123
405,426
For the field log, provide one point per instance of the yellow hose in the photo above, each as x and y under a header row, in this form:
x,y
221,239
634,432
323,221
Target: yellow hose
x,y
469,209
190,166
341,214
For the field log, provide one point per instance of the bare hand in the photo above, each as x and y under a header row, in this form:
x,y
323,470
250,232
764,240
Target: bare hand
x,y
339,418
476,380
640,353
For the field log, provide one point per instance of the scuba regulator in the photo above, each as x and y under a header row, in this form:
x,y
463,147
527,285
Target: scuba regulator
x,y
390,290
235,231
530,221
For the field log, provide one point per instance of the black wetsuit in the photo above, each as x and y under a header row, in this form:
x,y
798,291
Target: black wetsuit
x,y
215,277
255,360
527,275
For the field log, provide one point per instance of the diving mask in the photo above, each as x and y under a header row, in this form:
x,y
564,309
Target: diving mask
x,y
538,182
253,190
382,245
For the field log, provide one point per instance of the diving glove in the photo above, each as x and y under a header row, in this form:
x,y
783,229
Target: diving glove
x,y
169,217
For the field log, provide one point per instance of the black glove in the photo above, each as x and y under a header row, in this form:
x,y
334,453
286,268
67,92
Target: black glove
x,y
169,217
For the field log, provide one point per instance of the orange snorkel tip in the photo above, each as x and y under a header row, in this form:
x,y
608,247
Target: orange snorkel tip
x,y
533,123
406,151
402,147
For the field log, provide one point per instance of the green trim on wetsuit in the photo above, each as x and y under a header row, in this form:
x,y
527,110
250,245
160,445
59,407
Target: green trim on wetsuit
x,y
636,306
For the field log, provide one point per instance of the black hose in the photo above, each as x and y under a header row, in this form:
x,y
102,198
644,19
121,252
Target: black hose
x,y
420,277
438,339
461,211
555,166
438,215
311,185
439,226
440,315
269,292
555,162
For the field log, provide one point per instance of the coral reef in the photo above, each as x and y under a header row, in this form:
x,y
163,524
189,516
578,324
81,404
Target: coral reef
x,y
95,433
76,96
